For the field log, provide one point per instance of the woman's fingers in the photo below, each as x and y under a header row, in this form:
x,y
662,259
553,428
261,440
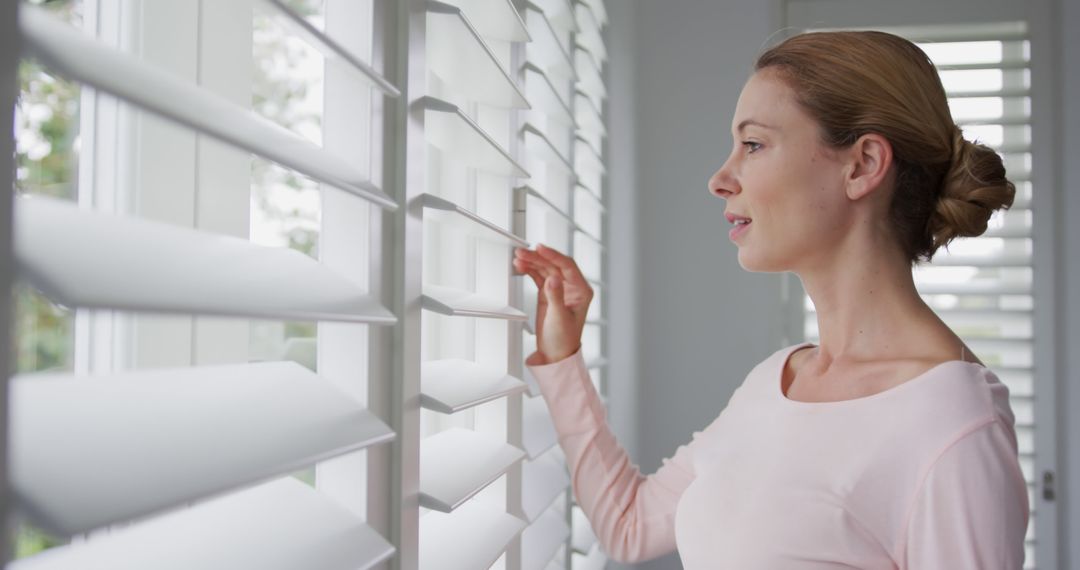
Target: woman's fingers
x,y
540,261
545,270
537,278
565,264
550,262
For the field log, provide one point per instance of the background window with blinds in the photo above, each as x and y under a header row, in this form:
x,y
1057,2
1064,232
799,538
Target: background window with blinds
x,y
982,287
266,309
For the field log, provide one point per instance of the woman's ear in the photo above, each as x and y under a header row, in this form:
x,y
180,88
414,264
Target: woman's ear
x,y
871,159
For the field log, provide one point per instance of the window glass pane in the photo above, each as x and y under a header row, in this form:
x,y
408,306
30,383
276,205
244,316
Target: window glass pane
x,y
288,76
46,164
46,133
46,156
288,79
287,88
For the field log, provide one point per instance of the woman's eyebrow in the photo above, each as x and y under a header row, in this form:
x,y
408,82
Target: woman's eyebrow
x,y
748,122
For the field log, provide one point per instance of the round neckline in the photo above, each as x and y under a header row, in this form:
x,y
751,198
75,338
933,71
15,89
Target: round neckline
x,y
778,382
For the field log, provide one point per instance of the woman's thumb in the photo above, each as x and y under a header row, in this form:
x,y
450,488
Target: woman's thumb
x,y
553,289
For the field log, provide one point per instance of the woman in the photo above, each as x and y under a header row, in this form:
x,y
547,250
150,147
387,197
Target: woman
x,y
886,446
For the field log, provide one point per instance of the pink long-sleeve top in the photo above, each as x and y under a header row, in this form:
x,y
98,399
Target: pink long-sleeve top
x,y
922,476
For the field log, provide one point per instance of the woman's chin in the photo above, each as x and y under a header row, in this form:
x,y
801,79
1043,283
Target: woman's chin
x,y
756,264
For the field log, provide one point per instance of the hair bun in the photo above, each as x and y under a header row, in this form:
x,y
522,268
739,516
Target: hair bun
x,y
973,188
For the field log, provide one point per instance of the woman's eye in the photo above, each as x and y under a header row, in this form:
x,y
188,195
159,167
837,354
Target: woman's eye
x,y
751,146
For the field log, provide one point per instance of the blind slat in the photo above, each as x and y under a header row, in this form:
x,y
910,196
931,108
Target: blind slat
x,y
537,142
599,10
584,538
594,560
543,480
331,48
546,50
945,33
458,55
560,13
1003,65
450,130
538,432
976,288
457,463
530,191
541,539
593,193
460,303
470,538
592,197
590,79
452,385
138,440
590,33
1007,120
116,262
529,302
61,47
233,532
588,113
446,212
588,157
495,19
1011,92
596,241
547,96
945,259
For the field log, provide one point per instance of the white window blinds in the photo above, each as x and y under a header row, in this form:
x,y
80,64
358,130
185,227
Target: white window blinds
x,y
983,287
151,466
294,207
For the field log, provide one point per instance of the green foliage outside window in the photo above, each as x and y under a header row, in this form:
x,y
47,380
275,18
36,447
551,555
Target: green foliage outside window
x,y
46,164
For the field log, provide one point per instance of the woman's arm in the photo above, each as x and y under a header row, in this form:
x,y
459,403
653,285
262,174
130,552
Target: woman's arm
x,y
972,508
632,515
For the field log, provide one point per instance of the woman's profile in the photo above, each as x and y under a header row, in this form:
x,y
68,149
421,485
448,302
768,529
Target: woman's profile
x,y
888,445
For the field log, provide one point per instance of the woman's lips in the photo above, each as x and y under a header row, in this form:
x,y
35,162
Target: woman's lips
x,y
742,224
739,229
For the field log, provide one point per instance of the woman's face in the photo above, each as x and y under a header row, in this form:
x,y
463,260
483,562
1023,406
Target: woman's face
x,y
782,180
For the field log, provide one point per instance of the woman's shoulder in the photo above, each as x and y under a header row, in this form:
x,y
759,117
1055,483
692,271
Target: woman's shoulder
x,y
974,383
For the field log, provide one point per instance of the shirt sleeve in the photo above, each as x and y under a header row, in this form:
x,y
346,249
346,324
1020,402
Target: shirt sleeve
x,y
972,509
632,515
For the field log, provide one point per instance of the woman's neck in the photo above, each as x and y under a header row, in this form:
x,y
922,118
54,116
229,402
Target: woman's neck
x,y
865,298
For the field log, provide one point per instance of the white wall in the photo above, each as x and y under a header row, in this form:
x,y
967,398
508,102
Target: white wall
x,y
622,301
1069,476
704,321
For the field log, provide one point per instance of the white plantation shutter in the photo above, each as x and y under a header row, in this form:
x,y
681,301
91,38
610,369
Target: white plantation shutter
x,y
470,372
984,287
484,133
562,139
192,460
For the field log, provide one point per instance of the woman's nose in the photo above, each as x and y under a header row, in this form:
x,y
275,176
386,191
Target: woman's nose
x,y
723,184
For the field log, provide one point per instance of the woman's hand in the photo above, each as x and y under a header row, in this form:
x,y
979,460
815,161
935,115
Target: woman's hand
x,y
562,303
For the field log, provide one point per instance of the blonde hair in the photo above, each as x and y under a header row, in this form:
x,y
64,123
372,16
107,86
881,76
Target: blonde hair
x,y
854,83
